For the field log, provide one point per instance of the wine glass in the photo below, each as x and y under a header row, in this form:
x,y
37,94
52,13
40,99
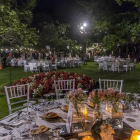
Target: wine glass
x,y
135,98
34,125
29,104
29,127
56,133
47,95
134,108
52,94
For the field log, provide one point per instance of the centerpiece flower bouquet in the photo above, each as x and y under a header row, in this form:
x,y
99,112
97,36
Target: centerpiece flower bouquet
x,y
113,96
77,97
96,97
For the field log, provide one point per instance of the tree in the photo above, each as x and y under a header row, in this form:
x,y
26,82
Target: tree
x,y
120,25
15,20
55,35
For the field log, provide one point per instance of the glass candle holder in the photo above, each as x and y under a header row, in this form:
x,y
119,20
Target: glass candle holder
x,y
135,135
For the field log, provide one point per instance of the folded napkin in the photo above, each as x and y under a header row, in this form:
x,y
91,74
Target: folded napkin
x,y
2,131
8,137
16,123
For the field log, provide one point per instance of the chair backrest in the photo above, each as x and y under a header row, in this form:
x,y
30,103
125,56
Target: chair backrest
x,y
106,83
14,92
64,85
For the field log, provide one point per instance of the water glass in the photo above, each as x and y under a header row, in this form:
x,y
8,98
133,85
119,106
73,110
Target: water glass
x,y
134,108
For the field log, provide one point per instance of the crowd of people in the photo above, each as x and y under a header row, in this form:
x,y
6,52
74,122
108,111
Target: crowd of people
x,y
8,56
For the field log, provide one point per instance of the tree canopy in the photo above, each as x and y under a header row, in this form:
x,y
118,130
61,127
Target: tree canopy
x,y
55,35
117,20
15,20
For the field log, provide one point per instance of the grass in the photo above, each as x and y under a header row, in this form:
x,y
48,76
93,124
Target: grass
x,y
131,79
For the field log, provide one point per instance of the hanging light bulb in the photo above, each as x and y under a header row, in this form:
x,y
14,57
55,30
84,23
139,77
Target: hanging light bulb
x,y
84,24
82,27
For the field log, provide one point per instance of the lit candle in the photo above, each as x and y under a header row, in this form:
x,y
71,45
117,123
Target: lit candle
x,y
86,112
135,135
87,138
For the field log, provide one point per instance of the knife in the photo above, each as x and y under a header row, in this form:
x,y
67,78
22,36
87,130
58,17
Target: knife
x,y
15,116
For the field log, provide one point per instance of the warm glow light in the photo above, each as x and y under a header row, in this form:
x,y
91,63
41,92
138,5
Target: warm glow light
x,y
0,68
82,27
88,138
86,112
135,135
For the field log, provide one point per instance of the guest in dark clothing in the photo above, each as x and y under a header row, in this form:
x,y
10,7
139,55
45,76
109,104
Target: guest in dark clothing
x,y
48,57
4,61
35,55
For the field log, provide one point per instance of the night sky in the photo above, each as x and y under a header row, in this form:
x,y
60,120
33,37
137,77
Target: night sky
x,y
66,11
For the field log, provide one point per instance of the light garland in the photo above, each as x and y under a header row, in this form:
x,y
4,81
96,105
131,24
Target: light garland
x,y
17,49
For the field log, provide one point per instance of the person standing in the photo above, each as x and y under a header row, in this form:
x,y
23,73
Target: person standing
x,y
4,61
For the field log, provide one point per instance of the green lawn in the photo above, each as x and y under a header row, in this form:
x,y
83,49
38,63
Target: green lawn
x,y
131,79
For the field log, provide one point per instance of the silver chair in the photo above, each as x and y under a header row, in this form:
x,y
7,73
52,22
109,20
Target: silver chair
x,y
63,85
14,92
106,83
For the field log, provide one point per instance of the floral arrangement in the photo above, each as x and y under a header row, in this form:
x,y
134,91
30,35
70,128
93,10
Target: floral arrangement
x,y
113,98
43,83
96,97
76,97
112,95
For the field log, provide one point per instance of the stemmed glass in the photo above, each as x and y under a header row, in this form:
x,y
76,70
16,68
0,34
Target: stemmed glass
x,y
52,94
43,104
52,102
30,129
23,130
134,108
29,104
47,95
56,133
135,98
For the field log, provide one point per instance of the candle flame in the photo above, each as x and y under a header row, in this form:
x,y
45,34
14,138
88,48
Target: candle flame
x,y
86,112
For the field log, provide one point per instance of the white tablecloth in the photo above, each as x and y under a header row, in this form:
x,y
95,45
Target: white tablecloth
x,y
40,121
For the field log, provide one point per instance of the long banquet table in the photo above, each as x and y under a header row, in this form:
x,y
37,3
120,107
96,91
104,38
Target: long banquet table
x,y
130,123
